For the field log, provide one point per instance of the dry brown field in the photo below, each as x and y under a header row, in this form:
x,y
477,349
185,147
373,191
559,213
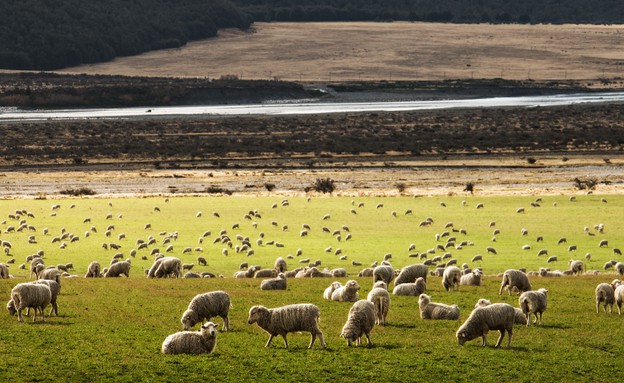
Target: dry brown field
x,y
388,51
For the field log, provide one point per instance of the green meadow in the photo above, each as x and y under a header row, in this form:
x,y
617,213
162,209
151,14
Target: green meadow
x,y
112,329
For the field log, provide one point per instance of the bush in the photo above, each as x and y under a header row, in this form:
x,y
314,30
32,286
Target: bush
x,y
78,191
269,186
322,185
531,160
400,187
218,190
469,188
588,184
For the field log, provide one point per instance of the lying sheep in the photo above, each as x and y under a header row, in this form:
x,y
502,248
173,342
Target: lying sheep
x,y
285,319
346,293
605,294
411,289
533,302
434,310
117,269
340,272
29,295
380,298
205,306
93,270
327,294
383,273
410,273
451,277
471,279
265,273
293,273
192,342
278,283
361,320
497,316
367,272
515,279
191,275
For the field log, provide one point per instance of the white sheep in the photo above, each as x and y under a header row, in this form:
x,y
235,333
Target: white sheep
x,y
605,294
534,302
383,272
93,270
289,318
205,306
410,273
29,295
192,342
515,279
380,298
346,293
265,273
55,290
327,294
471,279
520,317
117,269
164,267
451,277
576,267
278,283
497,316
280,265
360,321
619,297
411,289
434,310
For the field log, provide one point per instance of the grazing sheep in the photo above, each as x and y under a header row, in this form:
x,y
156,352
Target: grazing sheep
x,y
187,266
497,316
434,310
383,273
360,321
576,267
202,261
380,298
327,294
55,290
29,295
519,319
165,267
205,306
51,274
340,272
117,269
515,279
477,258
4,271
605,294
619,268
451,277
411,289
410,273
471,279
603,243
192,342
346,293
533,302
278,283
617,251
280,265
551,259
285,319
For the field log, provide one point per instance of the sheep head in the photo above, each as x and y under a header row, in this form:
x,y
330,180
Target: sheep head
x,y
189,318
256,313
209,329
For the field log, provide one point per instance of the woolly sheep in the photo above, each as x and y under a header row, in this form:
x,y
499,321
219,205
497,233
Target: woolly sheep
x,y
278,283
285,319
360,321
497,316
191,274
471,279
533,302
619,298
605,294
451,277
411,289
619,268
434,310
202,261
117,269
280,265
576,267
192,342
383,273
51,274
410,273
515,279
519,319
367,272
346,293
265,273
165,267
327,294
380,298
205,306
29,295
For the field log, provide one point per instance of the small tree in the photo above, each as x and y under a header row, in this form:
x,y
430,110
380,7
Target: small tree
x,y
469,188
322,185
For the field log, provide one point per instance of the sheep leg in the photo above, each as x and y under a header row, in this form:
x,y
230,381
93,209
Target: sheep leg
x,y
540,316
500,338
619,306
509,333
321,339
19,315
269,341
312,340
226,324
484,337
597,307
370,343
285,341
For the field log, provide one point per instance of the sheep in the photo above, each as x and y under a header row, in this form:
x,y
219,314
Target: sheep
x,y
366,272
619,297
117,269
409,274
605,294
497,316
434,310
533,302
4,271
380,298
165,267
361,320
265,273
340,272
411,289
27,295
51,274
55,290
278,283
289,318
552,258
576,267
451,277
205,306
471,279
187,266
383,273
192,342
202,261
603,243
293,273
280,265
514,279
327,294
346,293
619,268
520,318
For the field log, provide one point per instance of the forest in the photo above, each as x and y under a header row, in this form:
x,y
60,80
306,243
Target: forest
x,y
54,34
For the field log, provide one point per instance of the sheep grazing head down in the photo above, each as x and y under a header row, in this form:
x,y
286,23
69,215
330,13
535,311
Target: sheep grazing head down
x,y
464,337
11,307
256,313
189,319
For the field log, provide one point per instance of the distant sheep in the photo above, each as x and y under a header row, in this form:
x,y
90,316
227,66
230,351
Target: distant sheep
x,y
380,298
360,321
206,306
515,279
533,302
411,289
202,261
285,319
410,273
192,342
29,295
265,273
619,298
278,283
165,267
576,267
619,268
346,293
118,269
280,265
451,277
497,316
327,294
434,310
383,273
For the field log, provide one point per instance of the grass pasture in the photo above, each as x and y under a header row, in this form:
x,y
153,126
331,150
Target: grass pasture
x,y
112,329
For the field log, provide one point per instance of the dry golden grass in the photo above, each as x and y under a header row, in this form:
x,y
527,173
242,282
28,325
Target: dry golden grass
x,y
388,51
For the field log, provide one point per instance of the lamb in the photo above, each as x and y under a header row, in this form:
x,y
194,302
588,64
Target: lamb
x,y
605,294
278,283
117,269
205,306
451,277
471,279
515,279
285,319
533,302
346,293
361,320
380,298
497,316
192,342
411,289
280,265
434,310
410,273
29,295
327,294
165,267
576,267
383,273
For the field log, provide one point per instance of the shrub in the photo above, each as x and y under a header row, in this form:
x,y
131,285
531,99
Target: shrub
x,y
588,184
218,190
322,185
269,186
78,191
531,160
469,188
400,187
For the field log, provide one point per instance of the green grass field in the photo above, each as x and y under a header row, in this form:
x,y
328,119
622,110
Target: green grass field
x,y
112,329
